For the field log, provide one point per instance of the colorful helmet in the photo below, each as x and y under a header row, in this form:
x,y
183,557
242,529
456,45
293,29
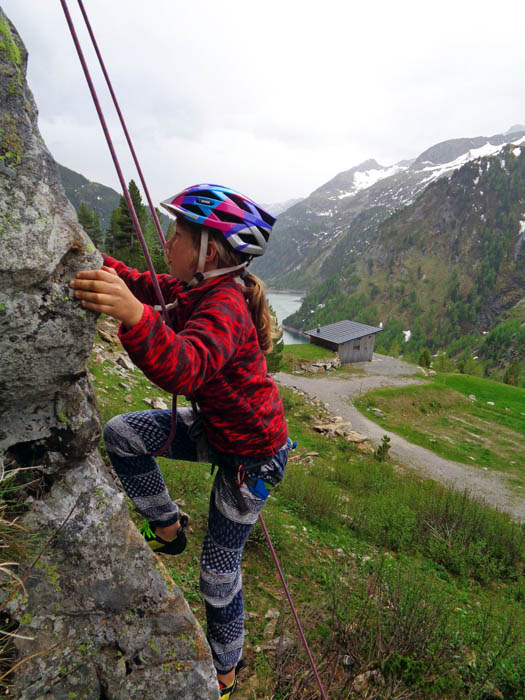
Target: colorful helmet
x,y
244,224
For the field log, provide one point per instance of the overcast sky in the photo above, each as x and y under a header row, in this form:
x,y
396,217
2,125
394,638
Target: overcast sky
x,y
276,97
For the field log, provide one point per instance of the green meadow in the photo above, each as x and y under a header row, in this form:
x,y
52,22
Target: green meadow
x,y
405,589
487,431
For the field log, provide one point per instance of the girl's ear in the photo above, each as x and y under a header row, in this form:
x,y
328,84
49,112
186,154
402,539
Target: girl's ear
x,y
211,252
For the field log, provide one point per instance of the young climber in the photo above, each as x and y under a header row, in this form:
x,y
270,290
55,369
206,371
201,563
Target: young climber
x,y
213,353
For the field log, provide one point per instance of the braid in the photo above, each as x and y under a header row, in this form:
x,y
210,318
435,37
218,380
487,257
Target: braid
x,y
263,320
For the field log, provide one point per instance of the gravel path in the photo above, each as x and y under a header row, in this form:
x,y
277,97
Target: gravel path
x,y
337,392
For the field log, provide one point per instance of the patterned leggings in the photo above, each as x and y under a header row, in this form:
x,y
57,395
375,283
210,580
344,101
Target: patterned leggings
x,y
130,439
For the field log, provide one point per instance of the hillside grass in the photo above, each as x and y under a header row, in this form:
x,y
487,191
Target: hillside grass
x,y
441,418
294,356
421,586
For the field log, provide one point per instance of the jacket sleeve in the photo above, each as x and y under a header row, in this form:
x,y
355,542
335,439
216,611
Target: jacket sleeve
x,y
140,283
181,363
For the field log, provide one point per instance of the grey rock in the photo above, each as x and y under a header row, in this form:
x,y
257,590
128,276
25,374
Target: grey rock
x,y
101,615
103,605
124,361
45,335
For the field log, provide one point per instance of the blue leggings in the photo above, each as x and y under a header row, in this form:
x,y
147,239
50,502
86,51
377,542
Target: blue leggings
x,y
130,439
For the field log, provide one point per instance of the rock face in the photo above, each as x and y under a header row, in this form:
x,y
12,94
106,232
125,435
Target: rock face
x,y
100,615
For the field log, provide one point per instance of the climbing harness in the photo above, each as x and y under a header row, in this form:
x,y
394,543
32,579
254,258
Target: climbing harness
x,y
149,262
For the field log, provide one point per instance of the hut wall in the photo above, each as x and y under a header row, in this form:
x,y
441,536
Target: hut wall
x,y
357,350
324,343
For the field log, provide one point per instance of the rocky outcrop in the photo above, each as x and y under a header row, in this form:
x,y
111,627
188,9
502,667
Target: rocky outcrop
x,y
99,616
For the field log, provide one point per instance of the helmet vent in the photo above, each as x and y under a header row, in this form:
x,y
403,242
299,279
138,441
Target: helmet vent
x,y
193,208
226,216
264,232
267,218
239,202
207,193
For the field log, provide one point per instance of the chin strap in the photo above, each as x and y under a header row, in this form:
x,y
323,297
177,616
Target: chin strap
x,y
200,275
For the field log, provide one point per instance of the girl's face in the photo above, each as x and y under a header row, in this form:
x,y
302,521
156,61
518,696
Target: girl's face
x,y
182,254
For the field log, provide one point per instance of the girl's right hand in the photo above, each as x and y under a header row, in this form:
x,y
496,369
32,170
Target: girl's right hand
x,y
104,292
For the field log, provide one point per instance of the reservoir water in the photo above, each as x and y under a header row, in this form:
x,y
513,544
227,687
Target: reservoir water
x,y
284,304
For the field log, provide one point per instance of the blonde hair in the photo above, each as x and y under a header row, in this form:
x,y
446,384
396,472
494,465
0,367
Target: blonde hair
x,y
253,288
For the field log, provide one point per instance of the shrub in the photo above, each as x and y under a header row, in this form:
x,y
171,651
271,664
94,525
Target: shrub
x,y
425,358
381,453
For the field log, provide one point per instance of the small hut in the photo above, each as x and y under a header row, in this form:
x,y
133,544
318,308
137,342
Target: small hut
x,y
353,341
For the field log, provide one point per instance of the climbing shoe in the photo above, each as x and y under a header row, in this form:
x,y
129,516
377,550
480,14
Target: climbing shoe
x,y
227,691
160,546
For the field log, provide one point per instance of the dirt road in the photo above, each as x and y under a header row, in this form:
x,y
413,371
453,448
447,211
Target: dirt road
x,y
338,393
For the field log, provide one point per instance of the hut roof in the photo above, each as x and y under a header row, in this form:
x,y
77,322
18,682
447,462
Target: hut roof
x,y
343,331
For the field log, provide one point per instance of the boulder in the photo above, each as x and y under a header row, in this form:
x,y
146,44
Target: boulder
x,y
99,616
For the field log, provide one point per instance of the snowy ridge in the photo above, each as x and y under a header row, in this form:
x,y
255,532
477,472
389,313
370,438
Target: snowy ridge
x,y
339,219
363,180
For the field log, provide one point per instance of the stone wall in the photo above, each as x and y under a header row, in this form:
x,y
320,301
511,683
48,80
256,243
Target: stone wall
x,y
101,616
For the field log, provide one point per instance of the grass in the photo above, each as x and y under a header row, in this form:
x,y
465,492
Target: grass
x,y
415,583
16,545
419,583
294,356
509,401
441,418
417,586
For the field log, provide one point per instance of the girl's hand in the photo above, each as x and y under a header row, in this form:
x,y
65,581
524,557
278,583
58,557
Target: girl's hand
x,y
103,291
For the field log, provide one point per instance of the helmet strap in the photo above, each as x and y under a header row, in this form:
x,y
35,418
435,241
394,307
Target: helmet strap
x,y
200,275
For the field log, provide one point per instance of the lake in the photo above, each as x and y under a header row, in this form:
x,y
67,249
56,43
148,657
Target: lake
x,y
284,304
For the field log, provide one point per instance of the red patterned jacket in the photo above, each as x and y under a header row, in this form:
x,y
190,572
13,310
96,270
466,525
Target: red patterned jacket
x,y
211,354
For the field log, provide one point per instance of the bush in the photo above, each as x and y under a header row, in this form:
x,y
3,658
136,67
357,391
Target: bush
x,y
425,358
381,453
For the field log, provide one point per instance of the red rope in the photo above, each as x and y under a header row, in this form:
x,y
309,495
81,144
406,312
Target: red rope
x,y
290,601
125,191
123,123
116,163
148,258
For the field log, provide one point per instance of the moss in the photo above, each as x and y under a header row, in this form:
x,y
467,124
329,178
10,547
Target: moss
x,y
11,53
26,619
53,575
63,418
9,46
11,144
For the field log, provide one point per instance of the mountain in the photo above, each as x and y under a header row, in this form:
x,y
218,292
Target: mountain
x,y
278,207
96,196
318,236
448,265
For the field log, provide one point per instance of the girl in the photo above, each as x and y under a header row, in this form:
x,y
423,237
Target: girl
x,y
213,353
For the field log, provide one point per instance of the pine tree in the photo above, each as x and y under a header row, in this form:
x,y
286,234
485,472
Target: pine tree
x,y
112,232
97,235
90,222
126,234
274,358
85,217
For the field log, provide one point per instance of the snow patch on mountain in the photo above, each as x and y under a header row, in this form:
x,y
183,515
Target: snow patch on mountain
x,y
438,171
365,179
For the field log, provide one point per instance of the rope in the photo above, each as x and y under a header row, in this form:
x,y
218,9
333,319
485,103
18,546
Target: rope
x,y
145,250
123,123
125,191
127,197
290,601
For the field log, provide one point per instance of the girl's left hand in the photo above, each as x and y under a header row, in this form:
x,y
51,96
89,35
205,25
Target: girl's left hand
x,y
104,292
